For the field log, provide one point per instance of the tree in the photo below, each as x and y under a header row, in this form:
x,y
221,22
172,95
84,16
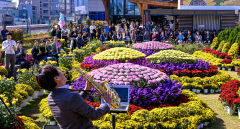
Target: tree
x,y
70,25
79,21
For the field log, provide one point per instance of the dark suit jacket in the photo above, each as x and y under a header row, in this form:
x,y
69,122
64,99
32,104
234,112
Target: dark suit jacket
x,y
71,111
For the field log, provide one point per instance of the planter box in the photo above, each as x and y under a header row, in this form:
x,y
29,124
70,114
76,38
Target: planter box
x,y
188,89
225,108
41,93
29,98
211,91
24,104
194,90
35,94
198,91
223,69
229,69
206,123
205,91
236,69
219,68
229,110
239,113
53,123
201,125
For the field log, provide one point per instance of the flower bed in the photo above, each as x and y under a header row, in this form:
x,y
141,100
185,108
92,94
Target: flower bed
x,y
213,82
218,54
129,74
212,70
225,63
172,56
151,47
229,94
119,53
187,115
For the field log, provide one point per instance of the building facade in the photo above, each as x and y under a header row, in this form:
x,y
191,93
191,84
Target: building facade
x,y
133,9
45,11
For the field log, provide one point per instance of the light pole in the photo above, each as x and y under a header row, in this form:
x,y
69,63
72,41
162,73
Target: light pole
x,y
65,10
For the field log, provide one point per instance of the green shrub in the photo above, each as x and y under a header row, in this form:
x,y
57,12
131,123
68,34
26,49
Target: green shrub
x,y
190,48
223,35
233,35
65,61
3,71
27,77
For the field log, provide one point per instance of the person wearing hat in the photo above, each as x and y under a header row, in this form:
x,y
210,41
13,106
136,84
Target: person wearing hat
x,y
9,46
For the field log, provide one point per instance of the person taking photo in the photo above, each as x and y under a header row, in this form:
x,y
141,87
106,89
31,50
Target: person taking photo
x,y
9,46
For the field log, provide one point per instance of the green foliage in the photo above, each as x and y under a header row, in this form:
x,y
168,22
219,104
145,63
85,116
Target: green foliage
x,y
226,47
190,48
53,24
233,35
238,38
79,21
17,34
66,61
27,77
80,54
223,35
221,45
88,22
234,50
3,71
7,86
70,25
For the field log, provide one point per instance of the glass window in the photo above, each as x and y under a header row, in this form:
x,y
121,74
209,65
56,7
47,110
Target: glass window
x,y
116,7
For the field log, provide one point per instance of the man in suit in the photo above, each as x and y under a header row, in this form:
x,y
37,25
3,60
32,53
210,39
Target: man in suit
x,y
69,108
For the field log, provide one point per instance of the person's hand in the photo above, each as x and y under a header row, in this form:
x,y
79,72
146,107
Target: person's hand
x,y
8,45
107,98
88,85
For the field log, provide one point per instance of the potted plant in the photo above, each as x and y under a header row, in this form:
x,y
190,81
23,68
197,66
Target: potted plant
x,y
236,68
206,88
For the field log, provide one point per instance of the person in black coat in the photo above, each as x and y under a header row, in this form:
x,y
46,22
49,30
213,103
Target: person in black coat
x,y
80,42
35,52
53,32
58,32
20,53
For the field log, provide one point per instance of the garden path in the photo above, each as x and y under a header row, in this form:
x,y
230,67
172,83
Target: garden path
x,y
223,120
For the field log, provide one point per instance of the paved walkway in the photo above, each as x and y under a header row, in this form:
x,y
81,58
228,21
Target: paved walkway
x,y
223,120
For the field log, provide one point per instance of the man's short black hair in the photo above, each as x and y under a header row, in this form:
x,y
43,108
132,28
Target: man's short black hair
x,y
9,34
45,77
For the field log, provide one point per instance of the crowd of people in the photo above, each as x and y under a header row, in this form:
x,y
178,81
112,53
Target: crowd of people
x,y
130,32
80,35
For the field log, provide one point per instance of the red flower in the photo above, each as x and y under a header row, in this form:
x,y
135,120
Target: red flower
x,y
226,61
102,48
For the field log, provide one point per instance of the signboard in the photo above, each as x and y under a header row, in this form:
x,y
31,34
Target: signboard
x,y
81,10
209,4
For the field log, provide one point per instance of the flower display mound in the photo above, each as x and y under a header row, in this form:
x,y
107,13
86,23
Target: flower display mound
x,y
213,82
172,56
185,116
119,53
229,94
129,74
151,47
